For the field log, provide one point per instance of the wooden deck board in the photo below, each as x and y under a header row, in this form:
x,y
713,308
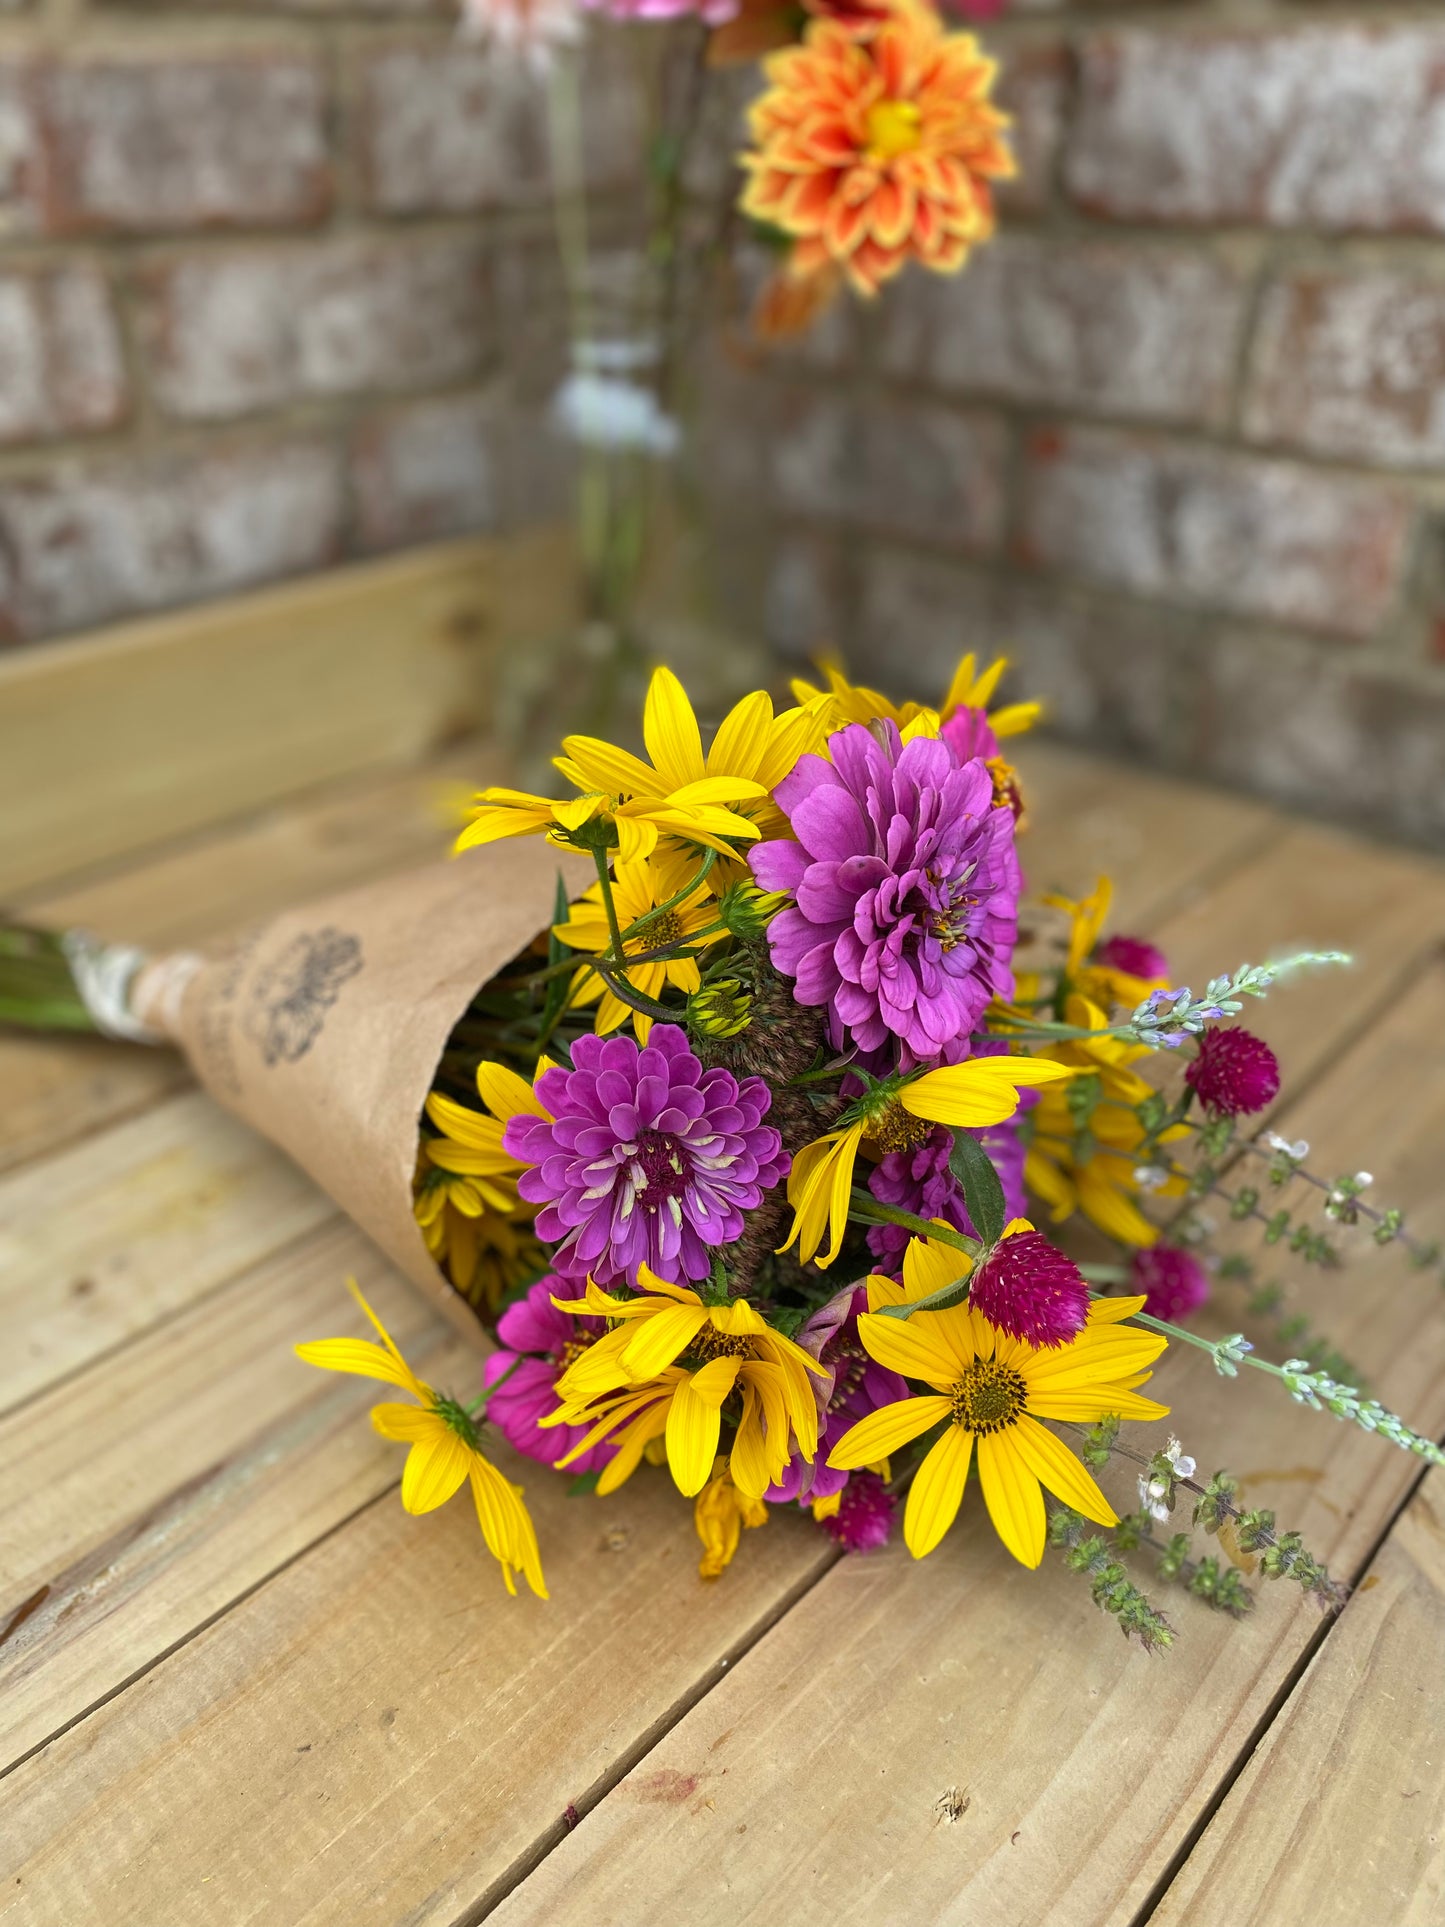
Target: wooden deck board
x,y
275,1653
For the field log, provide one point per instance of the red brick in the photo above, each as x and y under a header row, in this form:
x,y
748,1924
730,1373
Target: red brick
x,y
451,129
1214,529
84,544
1351,364
161,143
228,333
427,471
1139,331
1339,127
61,369
1034,88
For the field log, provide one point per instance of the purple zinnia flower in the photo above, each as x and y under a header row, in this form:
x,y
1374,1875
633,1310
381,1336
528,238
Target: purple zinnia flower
x,y
906,886
646,1158
857,1386
1030,1289
1234,1073
864,1517
919,1180
1134,956
1173,1282
538,1343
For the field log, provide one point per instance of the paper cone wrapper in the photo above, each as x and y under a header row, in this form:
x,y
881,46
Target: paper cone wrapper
x,y
323,1029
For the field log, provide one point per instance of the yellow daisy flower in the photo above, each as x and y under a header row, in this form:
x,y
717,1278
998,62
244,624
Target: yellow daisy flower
x,y
1102,1185
636,889
719,1514
630,1378
466,1202
990,1391
983,1090
969,689
445,1448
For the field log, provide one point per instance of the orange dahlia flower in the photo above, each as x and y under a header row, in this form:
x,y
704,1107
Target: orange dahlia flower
x,y
873,152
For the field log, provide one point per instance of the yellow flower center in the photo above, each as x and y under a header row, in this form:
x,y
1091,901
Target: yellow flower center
x,y
895,1129
988,1397
710,1343
892,127
573,1350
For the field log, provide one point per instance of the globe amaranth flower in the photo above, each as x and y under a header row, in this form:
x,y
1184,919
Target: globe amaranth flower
x,y
1030,1289
855,1385
645,1159
1235,1072
906,886
1173,1282
1135,956
862,1520
920,1180
537,1344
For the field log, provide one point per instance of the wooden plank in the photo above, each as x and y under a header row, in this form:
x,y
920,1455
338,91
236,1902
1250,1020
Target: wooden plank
x,y
640,1634
59,1089
147,729
106,1238
1364,1839
207,1457
1083,1763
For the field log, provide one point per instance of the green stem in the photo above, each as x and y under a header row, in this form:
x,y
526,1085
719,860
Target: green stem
x,y
864,1208
677,897
610,906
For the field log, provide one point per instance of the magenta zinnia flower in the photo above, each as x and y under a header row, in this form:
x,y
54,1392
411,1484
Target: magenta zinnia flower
x,y
1173,1282
538,1343
1028,1288
920,1181
1134,956
1235,1072
906,890
857,1385
864,1517
646,1158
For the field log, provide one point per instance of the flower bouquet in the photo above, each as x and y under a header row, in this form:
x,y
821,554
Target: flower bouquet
x,y
733,1125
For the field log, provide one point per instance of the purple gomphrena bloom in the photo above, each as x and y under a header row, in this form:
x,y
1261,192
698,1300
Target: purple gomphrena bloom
x,y
646,1158
538,1343
1028,1288
1134,956
920,1181
857,1386
906,888
1235,1072
864,1518
1173,1282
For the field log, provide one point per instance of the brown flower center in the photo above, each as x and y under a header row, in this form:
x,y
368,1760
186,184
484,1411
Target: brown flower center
x,y
988,1397
710,1343
895,1129
658,931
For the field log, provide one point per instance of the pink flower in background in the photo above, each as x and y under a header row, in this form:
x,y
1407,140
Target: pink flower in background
x,y
1135,956
920,1180
857,1386
864,1517
1173,1282
712,12
1235,1073
537,1344
532,30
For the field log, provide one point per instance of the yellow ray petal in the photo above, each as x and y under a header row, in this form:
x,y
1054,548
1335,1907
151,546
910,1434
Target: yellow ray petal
x,y
1011,1493
506,1525
913,1346
1050,1461
657,1341
693,1426
360,1356
937,1491
982,1091
605,767
887,1430
435,1466
506,1095
669,729
742,737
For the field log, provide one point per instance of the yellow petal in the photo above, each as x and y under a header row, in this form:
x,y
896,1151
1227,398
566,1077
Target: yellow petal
x,y
435,1466
929,1265
636,837
693,1426
1109,1311
506,1525
937,1491
669,729
887,1430
1050,1461
960,690
984,1090
1011,1493
660,1339
908,1345
710,790
1086,1404
616,772
360,1356
749,1461
506,1095
794,734
742,737
405,1423
1014,718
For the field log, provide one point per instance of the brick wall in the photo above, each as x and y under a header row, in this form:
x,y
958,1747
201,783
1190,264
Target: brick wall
x,y
1177,440
277,288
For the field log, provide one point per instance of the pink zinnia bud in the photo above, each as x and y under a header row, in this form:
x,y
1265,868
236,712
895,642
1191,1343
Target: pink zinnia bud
x,y
864,1517
1173,1282
1134,956
1235,1072
1028,1288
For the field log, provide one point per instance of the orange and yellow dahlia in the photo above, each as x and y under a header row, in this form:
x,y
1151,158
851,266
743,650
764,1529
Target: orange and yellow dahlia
x,y
875,151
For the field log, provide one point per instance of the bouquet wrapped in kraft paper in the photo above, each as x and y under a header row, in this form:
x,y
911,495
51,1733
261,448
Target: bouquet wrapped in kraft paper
x,y
323,1029
725,1094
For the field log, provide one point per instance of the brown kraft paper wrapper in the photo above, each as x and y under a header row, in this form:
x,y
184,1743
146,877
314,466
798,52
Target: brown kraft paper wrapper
x,y
323,1028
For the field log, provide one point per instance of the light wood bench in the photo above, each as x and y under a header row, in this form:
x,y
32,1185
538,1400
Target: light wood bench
x,y
238,1684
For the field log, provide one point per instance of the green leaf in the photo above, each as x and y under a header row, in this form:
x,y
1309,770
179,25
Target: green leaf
x,y
940,1300
583,1483
979,1182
